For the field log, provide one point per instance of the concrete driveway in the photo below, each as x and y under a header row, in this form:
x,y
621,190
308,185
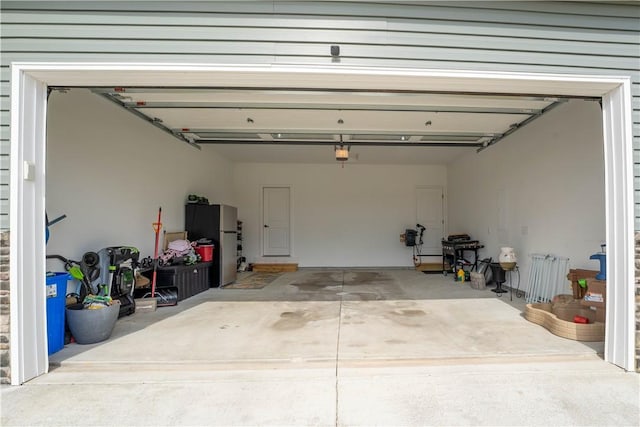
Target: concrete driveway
x,y
331,347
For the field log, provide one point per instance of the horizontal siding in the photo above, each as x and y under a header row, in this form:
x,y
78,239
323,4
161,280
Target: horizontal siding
x,y
4,185
548,37
189,20
115,33
5,85
4,131
317,50
4,191
567,14
234,24
4,116
568,17
4,162
513,31
4,197
553,7
5,147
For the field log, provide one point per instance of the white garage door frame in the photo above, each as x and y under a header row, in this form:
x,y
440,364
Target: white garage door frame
x,y
28,176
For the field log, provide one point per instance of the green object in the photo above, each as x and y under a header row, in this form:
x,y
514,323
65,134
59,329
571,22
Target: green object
x,y
76,273
95,301
582,283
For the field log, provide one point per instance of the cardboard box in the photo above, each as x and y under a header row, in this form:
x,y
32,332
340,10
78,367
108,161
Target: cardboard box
x,y
577,274
596,288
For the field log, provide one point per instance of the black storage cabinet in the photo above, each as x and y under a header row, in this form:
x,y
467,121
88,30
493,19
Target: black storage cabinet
x,y
189,279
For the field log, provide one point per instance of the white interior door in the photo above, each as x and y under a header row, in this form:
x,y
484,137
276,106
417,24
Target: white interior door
x,y
430,214
276,221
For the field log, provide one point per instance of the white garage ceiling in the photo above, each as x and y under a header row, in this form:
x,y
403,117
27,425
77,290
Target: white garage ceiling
x,y
304,126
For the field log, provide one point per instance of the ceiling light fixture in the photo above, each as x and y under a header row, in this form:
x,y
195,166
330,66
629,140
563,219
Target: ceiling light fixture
x,y
342,151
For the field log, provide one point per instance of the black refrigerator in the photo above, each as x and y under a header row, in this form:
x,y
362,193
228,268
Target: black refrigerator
x,y
219,223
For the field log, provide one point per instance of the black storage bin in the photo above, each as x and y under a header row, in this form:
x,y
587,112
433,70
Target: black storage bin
x,y
189,279
410,237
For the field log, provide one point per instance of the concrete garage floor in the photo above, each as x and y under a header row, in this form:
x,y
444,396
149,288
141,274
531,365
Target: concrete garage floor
x,y
331,347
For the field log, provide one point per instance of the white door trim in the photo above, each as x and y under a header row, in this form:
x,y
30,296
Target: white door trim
x,y
28,327
618,160
27,202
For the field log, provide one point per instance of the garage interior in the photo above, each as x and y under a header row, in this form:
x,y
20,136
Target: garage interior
x,y
522,171
322,318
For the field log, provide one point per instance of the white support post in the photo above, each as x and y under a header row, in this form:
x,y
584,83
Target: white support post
x,y
29,356
618,155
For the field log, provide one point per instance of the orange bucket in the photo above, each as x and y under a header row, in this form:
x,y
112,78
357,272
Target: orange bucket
x,y
205,252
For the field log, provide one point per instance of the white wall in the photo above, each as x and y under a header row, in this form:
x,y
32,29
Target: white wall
x,y
109,171
349,216
540,190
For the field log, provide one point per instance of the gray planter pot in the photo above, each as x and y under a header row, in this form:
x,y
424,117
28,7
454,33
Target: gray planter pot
x,y
92,326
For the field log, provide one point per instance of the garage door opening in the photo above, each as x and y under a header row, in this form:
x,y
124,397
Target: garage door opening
x,y
75,113
618,245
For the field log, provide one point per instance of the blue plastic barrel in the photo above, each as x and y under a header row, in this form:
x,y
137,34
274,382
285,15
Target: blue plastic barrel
x,y
56,301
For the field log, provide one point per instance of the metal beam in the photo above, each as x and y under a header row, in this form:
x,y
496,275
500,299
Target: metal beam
x,y
516,126
155,122
330,107
332,143
443,134
327,91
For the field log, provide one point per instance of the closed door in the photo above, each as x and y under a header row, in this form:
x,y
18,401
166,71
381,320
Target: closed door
x,y
430,214
276,221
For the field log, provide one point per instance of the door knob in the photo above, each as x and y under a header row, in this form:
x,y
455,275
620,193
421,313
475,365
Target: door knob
x,y
266,226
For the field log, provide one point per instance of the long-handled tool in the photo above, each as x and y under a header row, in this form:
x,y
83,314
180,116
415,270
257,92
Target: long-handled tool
x,y
74,269
157,226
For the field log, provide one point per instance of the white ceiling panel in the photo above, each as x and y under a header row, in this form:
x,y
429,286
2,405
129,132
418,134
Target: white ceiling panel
x,y
303,124
297,121
297,99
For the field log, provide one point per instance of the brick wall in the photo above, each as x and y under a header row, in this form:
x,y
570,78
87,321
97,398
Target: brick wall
x,y
5,369
638,301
